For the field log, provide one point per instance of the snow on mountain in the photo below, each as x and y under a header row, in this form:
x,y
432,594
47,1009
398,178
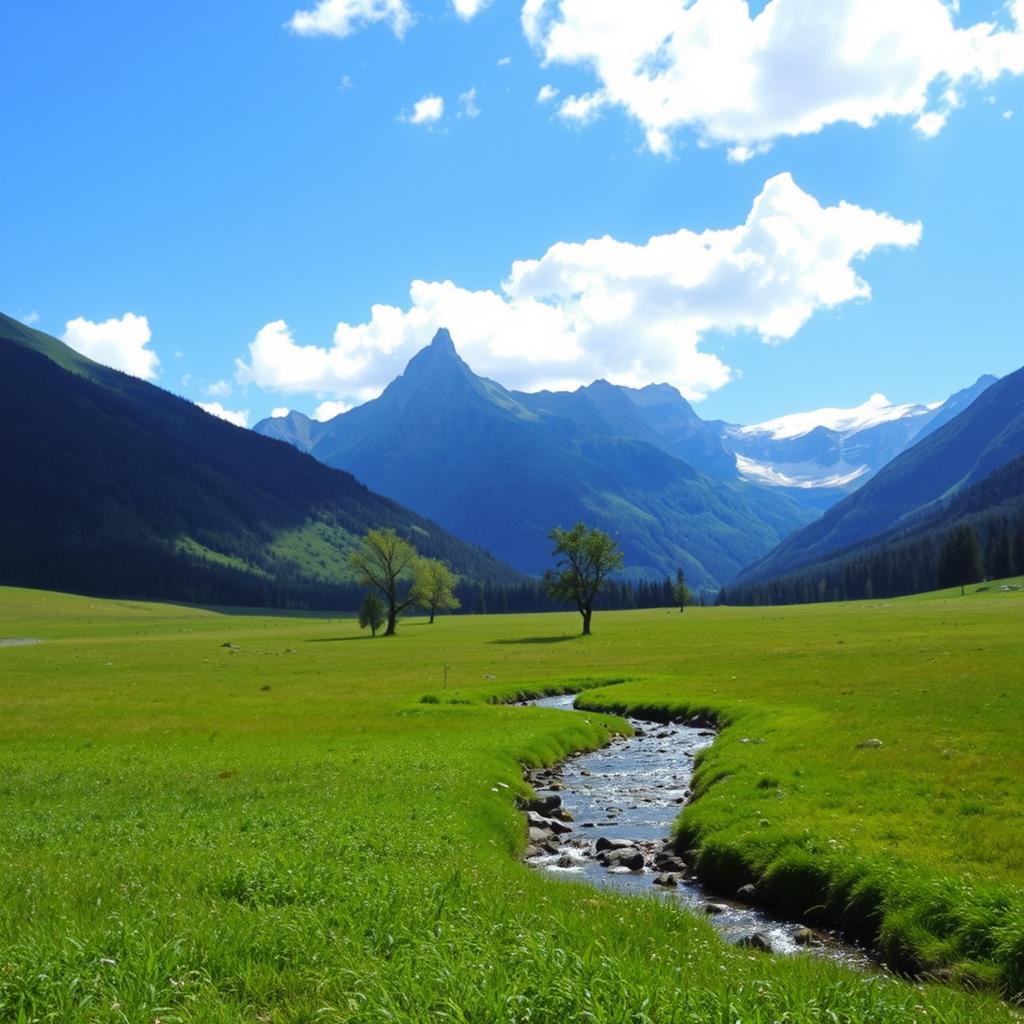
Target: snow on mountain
x,y
837,449
803,475
877,409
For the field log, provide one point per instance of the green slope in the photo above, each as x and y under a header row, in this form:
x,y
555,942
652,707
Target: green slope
x,y
115,486
502,469
981,439
905,560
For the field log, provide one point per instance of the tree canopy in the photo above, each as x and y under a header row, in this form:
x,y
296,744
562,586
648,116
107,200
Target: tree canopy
x,y
585,558
371,613
434,584
387,563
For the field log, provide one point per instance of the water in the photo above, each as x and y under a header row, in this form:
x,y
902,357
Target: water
x,y
634,789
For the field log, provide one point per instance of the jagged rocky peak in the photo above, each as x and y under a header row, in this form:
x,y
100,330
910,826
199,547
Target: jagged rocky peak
x,y
442,342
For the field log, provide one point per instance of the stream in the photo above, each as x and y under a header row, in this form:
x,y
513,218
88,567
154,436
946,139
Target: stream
x,y
634,789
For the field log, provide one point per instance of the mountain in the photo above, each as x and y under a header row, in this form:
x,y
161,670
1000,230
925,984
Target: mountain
x,y
114,486
503,468
982,438
905,560
837,450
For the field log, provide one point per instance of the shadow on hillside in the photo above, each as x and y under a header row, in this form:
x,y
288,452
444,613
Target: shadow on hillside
x,y
535,640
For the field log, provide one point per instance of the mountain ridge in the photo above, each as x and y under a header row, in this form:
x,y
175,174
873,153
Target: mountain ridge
x,y
960,452
132,489
501,468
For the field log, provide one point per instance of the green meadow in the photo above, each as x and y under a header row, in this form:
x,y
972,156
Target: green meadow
x,y
214,817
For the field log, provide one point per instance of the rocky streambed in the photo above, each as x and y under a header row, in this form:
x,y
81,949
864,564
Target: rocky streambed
x,y
606,817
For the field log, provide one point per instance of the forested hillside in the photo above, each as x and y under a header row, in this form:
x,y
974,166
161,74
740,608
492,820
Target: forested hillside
x,y
116,487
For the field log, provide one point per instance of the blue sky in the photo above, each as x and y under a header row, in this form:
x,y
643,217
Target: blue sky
x,y
238,183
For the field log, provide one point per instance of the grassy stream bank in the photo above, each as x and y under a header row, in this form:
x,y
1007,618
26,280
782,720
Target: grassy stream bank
x,y
281,831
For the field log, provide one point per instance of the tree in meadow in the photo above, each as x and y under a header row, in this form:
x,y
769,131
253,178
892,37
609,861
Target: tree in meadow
x,y
434,584
387,563
371,613
585,558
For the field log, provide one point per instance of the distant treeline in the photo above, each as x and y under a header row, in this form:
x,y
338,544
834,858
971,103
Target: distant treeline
x,y
911,561
530,596
151,572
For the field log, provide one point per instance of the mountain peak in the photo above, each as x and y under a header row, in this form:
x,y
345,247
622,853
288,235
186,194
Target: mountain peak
x,y
442,342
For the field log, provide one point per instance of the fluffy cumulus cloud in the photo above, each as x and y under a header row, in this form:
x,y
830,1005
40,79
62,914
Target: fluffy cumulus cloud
x,y
120,343
428,110
343,17
280,412
239,418
328,410
467,9
605,308
791,69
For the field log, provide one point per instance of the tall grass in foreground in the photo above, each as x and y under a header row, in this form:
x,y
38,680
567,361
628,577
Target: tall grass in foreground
x,y
280,831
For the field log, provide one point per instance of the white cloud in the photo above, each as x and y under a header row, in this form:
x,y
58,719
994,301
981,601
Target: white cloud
x,y
503,62
467,101
219,389
582,109
30,319
343,17
792,69
239,419
1007,116
604,308
120,343
280,412
328,410
546,94
467,9
930,124
428,110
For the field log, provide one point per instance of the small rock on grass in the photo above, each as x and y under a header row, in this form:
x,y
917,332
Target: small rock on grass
x,y
872,744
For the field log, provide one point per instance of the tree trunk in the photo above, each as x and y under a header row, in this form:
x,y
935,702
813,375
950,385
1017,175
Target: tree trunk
x,y
392,620
431,616
586,613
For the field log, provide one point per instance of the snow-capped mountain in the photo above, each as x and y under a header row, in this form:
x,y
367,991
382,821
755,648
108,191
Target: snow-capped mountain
x,y
837,448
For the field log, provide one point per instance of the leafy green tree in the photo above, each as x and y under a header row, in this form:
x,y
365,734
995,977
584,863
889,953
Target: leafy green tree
x,y
585,559
434,584
386,562
371,613
960,558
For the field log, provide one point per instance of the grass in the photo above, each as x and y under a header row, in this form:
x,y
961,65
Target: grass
x,y
282,830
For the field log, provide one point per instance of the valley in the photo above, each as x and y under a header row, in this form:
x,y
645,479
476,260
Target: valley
x,y
213,816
